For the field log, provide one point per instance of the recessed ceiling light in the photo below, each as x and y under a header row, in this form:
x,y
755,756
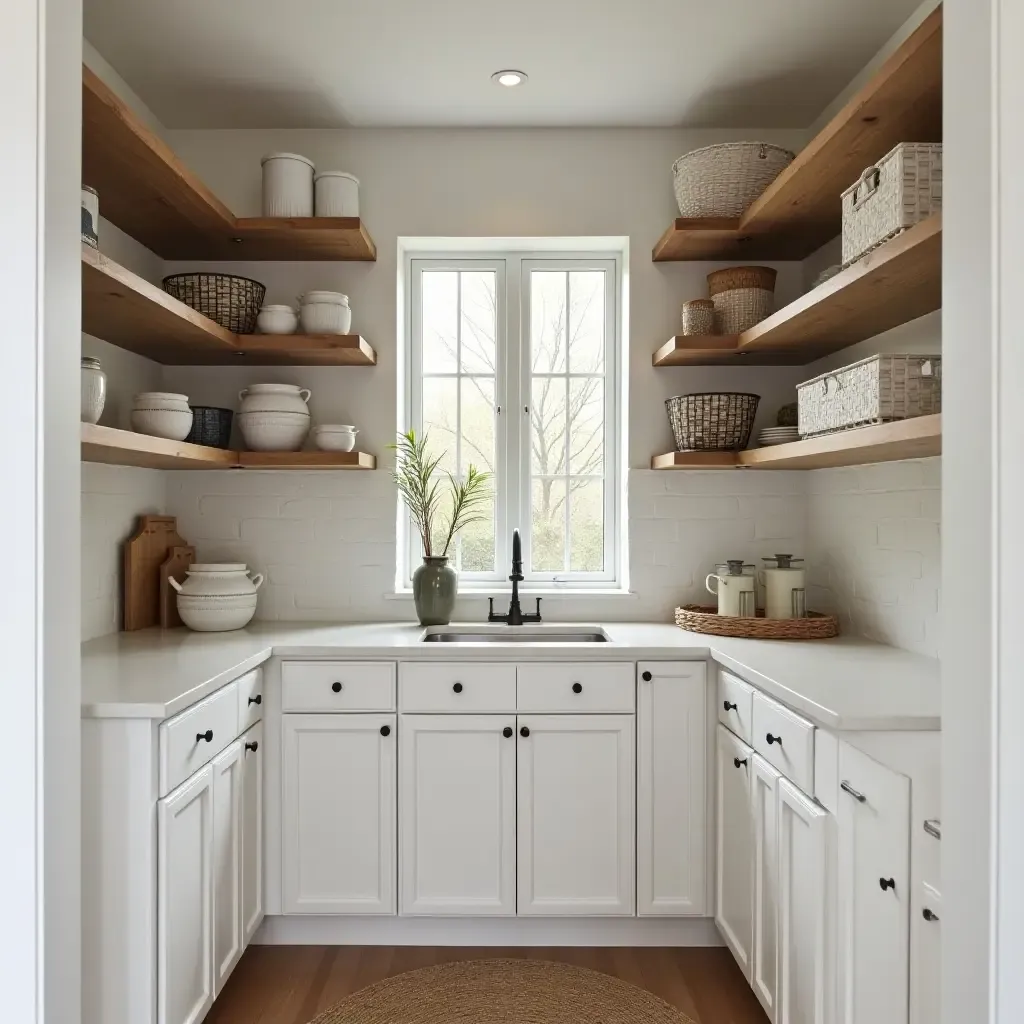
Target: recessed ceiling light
x,y
509,78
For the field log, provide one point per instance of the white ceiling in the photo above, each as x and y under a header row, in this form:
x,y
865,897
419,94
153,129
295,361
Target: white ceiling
x,y
332,63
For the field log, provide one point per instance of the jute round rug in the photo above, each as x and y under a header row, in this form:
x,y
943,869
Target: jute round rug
x,y
502,992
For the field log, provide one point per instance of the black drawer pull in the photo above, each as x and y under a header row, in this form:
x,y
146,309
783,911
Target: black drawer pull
x,y
258,699
507,732
858,796
254,746
646,676
728,705
336,687
208,736
577,687
929,915
887,883
524,732
385,730
773,739
738,761
457,687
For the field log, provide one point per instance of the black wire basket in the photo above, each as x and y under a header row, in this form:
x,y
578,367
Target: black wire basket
x,y
211,426
233,302
719,421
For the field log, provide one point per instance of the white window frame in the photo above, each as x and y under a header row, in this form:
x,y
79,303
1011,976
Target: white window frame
x,y
513,373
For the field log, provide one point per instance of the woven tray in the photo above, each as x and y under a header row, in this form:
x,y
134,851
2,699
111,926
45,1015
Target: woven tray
x,y
704,619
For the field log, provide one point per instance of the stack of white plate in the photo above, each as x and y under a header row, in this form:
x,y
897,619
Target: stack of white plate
x,y
777,435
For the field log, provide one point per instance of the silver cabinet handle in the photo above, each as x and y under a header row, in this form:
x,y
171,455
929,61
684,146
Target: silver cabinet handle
x,y
847,788
933,827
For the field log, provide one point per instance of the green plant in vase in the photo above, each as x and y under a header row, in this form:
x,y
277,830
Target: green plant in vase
x,y
440,506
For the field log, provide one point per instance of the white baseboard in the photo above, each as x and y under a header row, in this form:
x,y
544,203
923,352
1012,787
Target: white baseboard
x,y
461,931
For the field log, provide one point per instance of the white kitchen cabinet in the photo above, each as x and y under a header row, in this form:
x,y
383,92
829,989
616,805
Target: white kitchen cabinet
x,y
576,814
734,847
227,862
251,854
185,968
801,908
671,843
458,815
873,883
926,969
339,816
764,798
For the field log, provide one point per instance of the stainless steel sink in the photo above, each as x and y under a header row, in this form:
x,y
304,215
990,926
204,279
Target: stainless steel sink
x,y
514,636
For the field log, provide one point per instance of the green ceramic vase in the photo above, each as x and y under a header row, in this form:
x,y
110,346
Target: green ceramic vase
x,y
435,585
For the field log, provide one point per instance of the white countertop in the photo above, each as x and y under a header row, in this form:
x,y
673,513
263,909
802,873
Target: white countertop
x,y
846,684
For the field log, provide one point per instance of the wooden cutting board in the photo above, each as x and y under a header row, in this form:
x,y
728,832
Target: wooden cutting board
x,y
176,564
144,553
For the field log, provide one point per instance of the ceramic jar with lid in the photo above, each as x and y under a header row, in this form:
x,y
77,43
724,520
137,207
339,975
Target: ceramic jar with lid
x,y
217,596
336,194
287,185
734,588
274,417
94,390
162,414
785,594
323,312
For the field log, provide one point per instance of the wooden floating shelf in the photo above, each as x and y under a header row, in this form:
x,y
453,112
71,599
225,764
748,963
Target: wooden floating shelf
x,y
126,448
897,282
126,310
917,438
800,210
151,195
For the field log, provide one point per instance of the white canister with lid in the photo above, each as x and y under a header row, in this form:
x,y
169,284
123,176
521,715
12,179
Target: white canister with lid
x,y
784,588
216,596
322,312
734,588
287,185
336,194
94,390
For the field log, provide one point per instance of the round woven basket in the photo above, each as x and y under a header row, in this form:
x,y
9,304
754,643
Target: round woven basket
x,y
743,296
231,301
698,317
699,618
713,421
723,180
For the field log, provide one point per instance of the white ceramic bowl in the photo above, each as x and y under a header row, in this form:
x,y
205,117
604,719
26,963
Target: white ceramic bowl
x,y
325,313
273,431
334,437
277,320
162,414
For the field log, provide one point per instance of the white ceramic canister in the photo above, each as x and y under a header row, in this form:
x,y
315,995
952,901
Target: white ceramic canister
x,y
323,312
217,596
94,390
336,194
784,588
287,185
274,417
90,216
277,320
734,588
162,414
335,437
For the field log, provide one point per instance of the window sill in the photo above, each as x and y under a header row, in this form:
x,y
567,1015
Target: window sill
x,y
602,593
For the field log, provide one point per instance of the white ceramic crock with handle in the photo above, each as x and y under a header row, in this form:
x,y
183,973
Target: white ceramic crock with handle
x,y
274,417
217,596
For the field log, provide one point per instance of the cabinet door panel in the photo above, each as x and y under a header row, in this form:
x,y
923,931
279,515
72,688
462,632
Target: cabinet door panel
x,y
227,863
185,987
734,846
801,929
458,815
252,831
576,800
671,789
764,791
874,922
339,814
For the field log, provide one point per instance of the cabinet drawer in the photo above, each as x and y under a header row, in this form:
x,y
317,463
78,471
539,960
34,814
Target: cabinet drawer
x,y
462,687
579,688
196,736
250,699
736,705
337,686
785,740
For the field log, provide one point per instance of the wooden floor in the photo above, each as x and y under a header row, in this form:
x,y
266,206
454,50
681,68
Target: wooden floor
x,y
292,984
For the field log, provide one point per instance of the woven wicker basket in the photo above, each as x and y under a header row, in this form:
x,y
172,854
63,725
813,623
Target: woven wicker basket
x,y
233,302
723,180
714,421
743,296
704,619
698,317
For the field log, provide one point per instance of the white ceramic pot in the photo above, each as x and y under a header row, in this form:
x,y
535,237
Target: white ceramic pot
x,y
217,596
287,185
274,398
94,390
273,431
277,320
325,313
335,437
162,414
336,194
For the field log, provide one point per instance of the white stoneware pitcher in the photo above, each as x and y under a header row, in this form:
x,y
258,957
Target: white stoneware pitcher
x,y
784,588
734,588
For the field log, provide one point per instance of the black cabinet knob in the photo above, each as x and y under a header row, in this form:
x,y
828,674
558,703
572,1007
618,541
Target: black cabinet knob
x,y
258,699
507,732
728,705
385,730
457,687
773,739
738,761
208,736
336,687
929,915
577,687
254,746
646,676
887,883
524,731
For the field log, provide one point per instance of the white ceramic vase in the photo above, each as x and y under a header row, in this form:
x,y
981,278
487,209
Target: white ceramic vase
x,y
162,414
94,390
217,596
274,417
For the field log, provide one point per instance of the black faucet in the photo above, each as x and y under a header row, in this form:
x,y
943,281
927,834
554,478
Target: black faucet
x,y
515,616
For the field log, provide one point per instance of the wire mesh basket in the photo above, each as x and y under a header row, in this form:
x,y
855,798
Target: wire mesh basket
x,y
233,302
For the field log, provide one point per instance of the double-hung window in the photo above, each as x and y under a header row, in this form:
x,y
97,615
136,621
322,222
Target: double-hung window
x,y
514,367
